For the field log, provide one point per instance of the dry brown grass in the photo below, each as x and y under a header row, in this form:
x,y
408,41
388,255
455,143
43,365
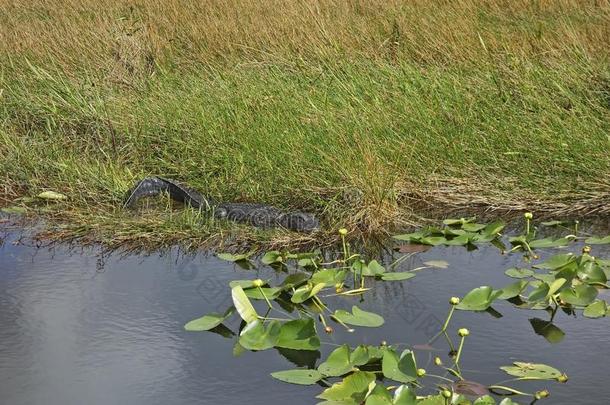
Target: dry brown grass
x,y
114,35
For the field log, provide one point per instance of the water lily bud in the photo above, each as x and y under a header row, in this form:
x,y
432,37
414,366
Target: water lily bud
x,y
446,393
562,378
342,231
586,250
535,257
421,372
463,332
454,300
528,215
438,361
328,330
258,283
338,288
542,394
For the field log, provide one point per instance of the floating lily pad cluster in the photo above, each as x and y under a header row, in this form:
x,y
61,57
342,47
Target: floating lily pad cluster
x,y
287,316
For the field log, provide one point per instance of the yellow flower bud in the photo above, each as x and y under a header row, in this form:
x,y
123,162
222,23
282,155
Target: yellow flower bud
x,y
454,300
438,361
258,283
421,372
463,332
342,231
542,394
528,215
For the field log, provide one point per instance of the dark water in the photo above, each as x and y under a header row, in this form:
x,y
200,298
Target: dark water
x,y
77,328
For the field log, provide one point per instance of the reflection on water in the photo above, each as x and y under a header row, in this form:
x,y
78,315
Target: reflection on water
x,y
78,329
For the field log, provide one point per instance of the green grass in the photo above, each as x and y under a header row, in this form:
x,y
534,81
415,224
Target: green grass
x,y
372,114
365,145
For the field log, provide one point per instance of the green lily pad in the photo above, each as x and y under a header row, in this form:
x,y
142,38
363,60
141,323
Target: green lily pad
x,y
555,262
359,317
337,363
305,292
581,295
270,293
439,264
301,377
257,336
373,269
594,240
299,334
513,290
596,309
397,276
479,299
532,371
243,305
234,257
402,369
351,390
591,272
550,242
208,321
272,257
519,273
328,277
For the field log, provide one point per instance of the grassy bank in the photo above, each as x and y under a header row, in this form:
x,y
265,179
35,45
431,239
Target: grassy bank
x,y
368,113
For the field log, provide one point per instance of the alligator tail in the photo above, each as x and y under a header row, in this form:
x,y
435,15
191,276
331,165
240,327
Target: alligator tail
x,y
152,186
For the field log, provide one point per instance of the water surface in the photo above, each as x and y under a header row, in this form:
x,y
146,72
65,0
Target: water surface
x,y
79,327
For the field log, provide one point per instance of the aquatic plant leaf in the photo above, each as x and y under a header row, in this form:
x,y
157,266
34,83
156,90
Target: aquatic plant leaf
x,y
550,242
378,395
305,292
440,264
402,369
531,371
461,240
433,240
301,377
594,240
374,269
360,355
596,309
404,395
547,330
479,299
432,400
581,295
257,336
234,257
591,272
555,262
351,390
397,276
299,334
329,277
484,400
411,237
458,221
359,317
242,283
208,321
294,280
257,293
273,256
513,290
519,273
508,401
51,195
243,305
337,363
471,388
470,227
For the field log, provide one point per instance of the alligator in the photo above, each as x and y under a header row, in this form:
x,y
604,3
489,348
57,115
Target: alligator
x,y
259,215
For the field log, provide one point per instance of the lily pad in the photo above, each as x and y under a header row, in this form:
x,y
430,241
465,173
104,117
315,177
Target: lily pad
x,y
519,273
299,334
305,292
337,363
594,240
397,276
596,309
257,336
208,321
301,377
479,299
532,371
513,290
359,317
581,295
402,369
243,305
351,390
234,257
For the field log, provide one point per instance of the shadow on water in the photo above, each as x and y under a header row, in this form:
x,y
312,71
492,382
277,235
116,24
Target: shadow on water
x,y
83,327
